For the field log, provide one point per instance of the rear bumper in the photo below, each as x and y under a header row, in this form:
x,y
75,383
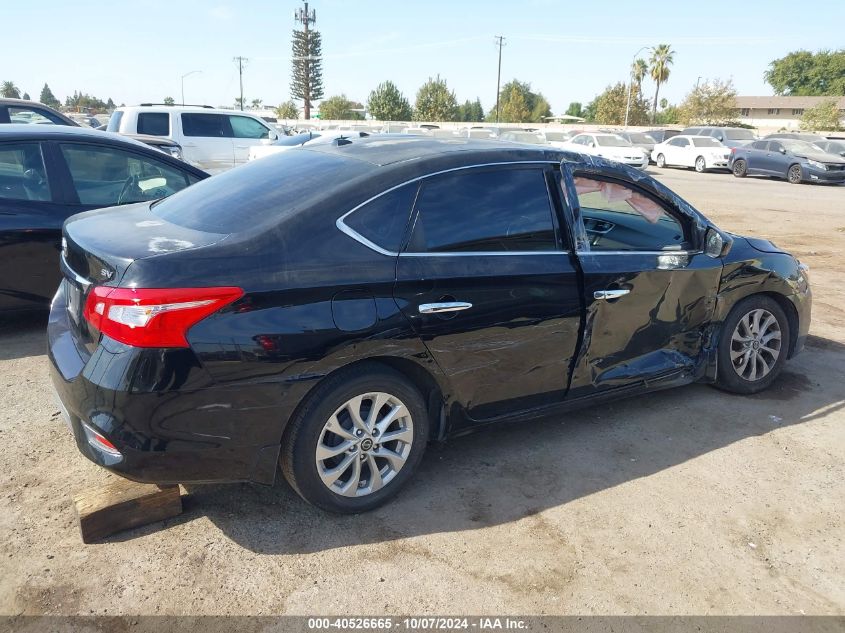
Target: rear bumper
x,y
160,409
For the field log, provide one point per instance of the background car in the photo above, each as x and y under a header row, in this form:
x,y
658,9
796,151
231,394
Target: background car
x,y
609,146
727,136
556,138
662,134
212,140
23,111
700,152
639,139
796,136
333,329
796,161
521,136
831,147
50,172
304,139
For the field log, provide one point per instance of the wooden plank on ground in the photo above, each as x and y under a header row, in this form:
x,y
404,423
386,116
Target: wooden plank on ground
x,y
122,504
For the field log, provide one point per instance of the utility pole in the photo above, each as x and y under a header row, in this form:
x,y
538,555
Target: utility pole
x,y
241,61
306,18
500,42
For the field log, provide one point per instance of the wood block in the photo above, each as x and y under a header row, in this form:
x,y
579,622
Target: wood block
x,y
122,504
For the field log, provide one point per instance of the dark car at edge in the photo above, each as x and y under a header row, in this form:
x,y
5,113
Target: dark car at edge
x,y
392,291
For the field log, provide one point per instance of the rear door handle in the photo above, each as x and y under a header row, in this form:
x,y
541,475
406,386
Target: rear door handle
x,y
604,295
449,306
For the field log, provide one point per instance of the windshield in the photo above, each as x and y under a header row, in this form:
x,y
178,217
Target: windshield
x,y
639,137
740,135
798,146
297,139
706,142
609,140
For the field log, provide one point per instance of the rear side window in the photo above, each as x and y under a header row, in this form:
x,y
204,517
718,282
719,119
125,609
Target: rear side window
x,y
479,210
208,125
153,123
383,220
22,173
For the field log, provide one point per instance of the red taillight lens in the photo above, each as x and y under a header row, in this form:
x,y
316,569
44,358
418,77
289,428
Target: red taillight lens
x,y
733,150
153,317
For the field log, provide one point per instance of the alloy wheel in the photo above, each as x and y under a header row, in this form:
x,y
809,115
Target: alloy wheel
x,y
364,444
661,161
794,174
755,345
739,169
700,165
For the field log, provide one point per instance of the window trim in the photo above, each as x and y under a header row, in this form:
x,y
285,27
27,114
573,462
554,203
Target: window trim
x,y
147,112
682,218
344,228
53,188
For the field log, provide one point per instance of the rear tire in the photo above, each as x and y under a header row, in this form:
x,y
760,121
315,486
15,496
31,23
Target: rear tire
x,y
753,345
661,161
332,462
740,168
794,175
700,165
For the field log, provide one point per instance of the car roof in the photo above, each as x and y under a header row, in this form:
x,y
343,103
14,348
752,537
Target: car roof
x,y
28,131
188,108
389,149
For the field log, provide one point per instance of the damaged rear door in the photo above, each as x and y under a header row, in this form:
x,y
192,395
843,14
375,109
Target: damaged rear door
x,y
649,291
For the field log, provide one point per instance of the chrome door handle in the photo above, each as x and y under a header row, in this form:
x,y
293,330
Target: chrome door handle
x,y
609,294
449,306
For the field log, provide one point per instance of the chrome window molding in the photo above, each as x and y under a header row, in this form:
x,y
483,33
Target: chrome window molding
x,y
344,228
688,253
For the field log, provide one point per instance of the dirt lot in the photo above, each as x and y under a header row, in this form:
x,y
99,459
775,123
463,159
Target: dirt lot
x,y
690,501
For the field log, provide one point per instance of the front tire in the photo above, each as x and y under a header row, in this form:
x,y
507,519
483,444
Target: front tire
x,y
700,165
356,440
753,345
794,175
740,168
661,161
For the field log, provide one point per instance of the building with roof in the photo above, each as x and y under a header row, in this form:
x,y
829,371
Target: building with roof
x,y
775,113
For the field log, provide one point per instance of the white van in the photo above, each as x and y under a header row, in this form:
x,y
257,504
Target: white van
x,y
211,139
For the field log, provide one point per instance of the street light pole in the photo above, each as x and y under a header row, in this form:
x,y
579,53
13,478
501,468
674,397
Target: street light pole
x,y
631,83
183,83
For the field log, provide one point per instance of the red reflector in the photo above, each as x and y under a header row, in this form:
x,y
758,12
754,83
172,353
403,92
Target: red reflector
x,y
153,317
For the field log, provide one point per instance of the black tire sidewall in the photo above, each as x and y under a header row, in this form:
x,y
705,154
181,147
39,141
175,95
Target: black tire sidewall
x,y
301,437
660,161
726,377
700,158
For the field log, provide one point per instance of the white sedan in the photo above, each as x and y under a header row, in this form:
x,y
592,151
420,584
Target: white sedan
x,y
608,146
684,150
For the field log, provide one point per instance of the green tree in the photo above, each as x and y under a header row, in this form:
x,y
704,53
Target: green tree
x,y
307,68
575,109
82,101
338,108
589,112
823,117
435,102
710,103
256,103
169,101
669,115
26,96
110,104
802,73
387,103
287,110
662,56
518,104
610,106
9,90
639,70
48,98
471,111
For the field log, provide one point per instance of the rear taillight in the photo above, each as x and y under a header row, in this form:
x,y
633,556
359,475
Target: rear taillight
x,y
153,317
733,150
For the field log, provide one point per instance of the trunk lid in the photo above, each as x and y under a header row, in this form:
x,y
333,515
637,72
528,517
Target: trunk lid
x,y
99,246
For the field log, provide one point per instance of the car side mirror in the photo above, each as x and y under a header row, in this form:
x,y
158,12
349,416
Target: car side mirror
x,y
782,150
720,138
716,245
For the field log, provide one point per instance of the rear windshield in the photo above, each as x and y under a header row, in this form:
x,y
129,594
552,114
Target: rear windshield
x,y
739,135
706,142
257,193
639,137
612,141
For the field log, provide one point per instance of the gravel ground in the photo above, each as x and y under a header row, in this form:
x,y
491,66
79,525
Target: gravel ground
x,y
689,501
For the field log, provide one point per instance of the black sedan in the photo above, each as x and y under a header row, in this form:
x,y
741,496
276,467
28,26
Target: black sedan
x,y
50,172
390,291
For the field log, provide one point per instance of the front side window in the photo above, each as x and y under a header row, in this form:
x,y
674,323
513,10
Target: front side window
x,y
383,220
206,125
475,210
245,127
153,123
618,217
108,176
22,173
706,142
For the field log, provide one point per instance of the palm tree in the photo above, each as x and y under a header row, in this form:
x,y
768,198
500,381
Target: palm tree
x,y
639,69
662,56
10,90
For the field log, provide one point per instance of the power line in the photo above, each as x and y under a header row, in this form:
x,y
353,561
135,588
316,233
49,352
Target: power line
x,y
500,42
241,61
